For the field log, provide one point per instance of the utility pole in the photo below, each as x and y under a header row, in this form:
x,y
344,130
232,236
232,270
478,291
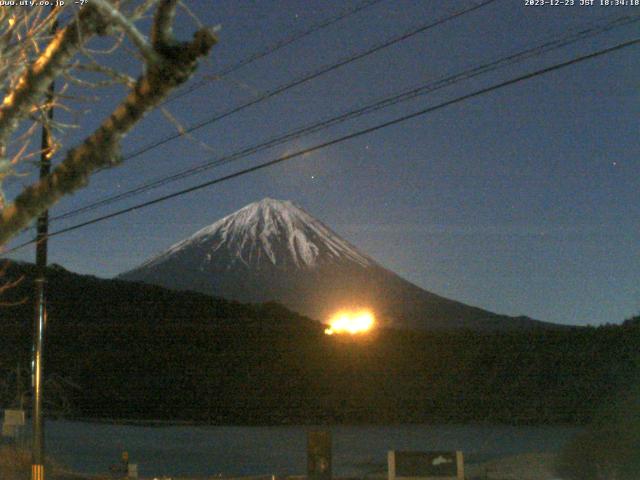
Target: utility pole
x,y
40,323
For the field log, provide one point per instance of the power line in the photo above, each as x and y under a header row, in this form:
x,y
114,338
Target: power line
x,y
344,138
311,76
368,108
276,46
272,48
266,51
308,77
406,95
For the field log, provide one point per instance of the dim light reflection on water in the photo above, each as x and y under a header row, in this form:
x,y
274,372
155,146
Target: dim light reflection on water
x,y
206,451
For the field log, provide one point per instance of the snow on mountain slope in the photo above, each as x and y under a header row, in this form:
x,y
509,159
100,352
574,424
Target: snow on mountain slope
x,y
273,231
272,250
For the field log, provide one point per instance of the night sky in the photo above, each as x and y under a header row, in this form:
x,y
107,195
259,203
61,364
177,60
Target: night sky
x,y
525,200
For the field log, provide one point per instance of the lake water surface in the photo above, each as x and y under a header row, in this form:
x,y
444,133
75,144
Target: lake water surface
x,y
207,451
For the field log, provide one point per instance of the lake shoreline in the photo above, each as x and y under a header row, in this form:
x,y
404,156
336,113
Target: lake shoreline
x,y
527,466
137,422
188,451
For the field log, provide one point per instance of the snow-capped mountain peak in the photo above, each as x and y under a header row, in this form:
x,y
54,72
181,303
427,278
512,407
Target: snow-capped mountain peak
x,y
272,250
269,231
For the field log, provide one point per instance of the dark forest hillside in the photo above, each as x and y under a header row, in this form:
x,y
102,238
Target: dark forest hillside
x,y
145,352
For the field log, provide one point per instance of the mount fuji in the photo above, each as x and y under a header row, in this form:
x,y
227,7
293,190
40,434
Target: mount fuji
x,y
273,250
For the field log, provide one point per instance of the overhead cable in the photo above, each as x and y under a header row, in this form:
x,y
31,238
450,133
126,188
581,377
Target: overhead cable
x,y
405,95
356,134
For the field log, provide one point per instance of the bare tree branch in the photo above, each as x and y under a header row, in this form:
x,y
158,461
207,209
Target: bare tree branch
x,y
142,9
101,149
33,84
162,32
8,285
113,15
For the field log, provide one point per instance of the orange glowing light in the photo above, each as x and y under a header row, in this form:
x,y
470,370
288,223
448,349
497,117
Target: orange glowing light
x,y
352,322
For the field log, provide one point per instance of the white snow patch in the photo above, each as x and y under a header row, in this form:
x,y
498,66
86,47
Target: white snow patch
x,y
269,229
